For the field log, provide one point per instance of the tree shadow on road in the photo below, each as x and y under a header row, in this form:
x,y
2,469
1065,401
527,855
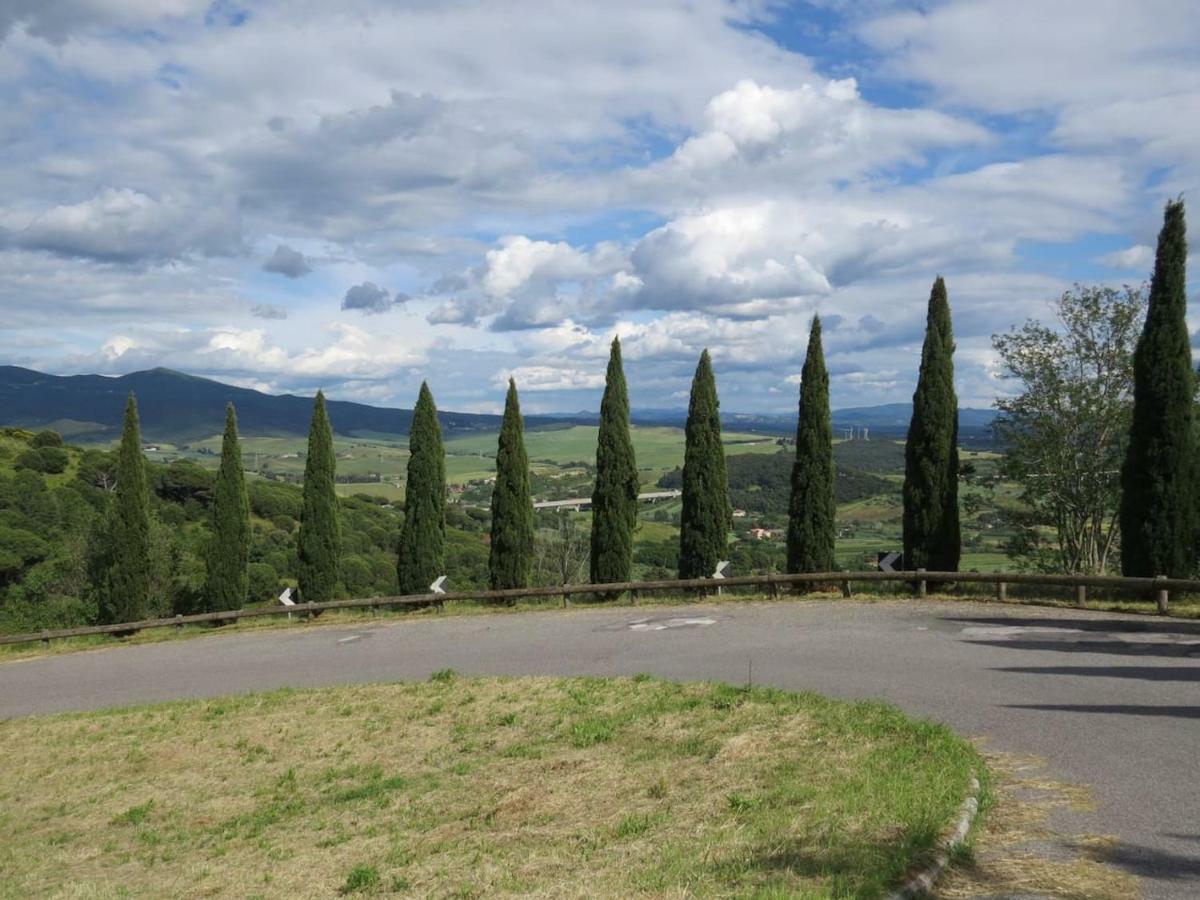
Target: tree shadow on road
x,y
1142,673
1147,862
1079,644
1082,623
1117,709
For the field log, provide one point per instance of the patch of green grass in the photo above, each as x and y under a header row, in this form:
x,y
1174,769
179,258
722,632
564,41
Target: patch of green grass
x,y
724,790
135,815
591,731
361,878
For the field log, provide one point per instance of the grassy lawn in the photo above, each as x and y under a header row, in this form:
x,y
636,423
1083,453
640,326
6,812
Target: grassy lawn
x,y
478,787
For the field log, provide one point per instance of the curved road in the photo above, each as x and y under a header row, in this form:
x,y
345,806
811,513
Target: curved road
x,y
1109,701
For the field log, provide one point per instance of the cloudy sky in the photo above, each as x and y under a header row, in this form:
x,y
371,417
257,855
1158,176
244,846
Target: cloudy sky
x,y
288,194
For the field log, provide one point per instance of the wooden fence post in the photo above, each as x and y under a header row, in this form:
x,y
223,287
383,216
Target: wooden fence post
x,y
1081,595
1001,591
846,594
1161,596
922,586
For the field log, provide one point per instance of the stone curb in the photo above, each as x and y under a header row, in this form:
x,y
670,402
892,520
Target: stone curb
x,y
921,884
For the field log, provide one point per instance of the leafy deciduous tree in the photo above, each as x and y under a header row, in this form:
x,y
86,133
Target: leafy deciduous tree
x,y
1066,432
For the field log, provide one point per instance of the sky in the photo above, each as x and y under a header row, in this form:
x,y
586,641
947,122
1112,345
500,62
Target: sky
x,y
356,196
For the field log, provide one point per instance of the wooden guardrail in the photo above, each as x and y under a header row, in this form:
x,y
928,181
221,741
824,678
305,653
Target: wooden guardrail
x,y
920,579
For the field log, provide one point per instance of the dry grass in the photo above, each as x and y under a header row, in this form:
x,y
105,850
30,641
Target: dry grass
x,y
477,787
1018,853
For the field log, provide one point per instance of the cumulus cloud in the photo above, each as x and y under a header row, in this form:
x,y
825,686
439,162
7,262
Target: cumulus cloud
x,y
268,311
56,20
755,134
288,262
341,353
703,187
1139,256
368,298
549,378
124,225
454,312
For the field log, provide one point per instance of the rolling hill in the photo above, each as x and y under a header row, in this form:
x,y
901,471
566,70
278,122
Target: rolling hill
x,y
176,407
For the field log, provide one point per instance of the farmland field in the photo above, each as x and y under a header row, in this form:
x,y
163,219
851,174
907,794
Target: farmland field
x,y
560,463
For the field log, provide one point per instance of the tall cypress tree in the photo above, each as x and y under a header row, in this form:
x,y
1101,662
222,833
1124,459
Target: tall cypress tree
x,y
707,515
423,535
227,582
127,582
615,496
1157,480
320,536
931,527
811,512
511,555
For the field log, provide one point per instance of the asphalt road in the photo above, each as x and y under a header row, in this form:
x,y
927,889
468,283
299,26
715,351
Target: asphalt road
x,y
1109,701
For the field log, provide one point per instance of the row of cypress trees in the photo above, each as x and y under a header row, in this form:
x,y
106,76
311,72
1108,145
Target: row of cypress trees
x,y
124,566
704,526
1159,514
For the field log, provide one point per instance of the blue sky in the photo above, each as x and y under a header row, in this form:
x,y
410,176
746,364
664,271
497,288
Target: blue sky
x,y
362,195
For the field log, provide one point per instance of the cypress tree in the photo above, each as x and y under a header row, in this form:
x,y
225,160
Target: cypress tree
x,y
227,582
320,538
811,512
931,526
615,495
707,515
1157,479
510,559
127,588
423,535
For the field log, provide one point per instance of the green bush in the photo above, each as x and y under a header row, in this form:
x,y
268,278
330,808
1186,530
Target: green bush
x,y
263,582
46,438
47,460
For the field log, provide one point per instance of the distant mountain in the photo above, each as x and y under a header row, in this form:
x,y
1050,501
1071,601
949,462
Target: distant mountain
x,y
887,420
176,407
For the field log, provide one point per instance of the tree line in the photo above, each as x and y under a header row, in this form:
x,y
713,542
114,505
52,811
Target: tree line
x,y
1159,484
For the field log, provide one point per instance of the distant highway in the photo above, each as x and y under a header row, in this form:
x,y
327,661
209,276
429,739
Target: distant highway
x,y
581,503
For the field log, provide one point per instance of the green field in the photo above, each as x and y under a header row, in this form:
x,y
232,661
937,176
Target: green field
x,y
658,450
560,457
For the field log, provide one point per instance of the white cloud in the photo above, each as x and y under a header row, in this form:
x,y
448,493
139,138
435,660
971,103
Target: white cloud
x,y
757,133
1139,256
119,224
549,378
